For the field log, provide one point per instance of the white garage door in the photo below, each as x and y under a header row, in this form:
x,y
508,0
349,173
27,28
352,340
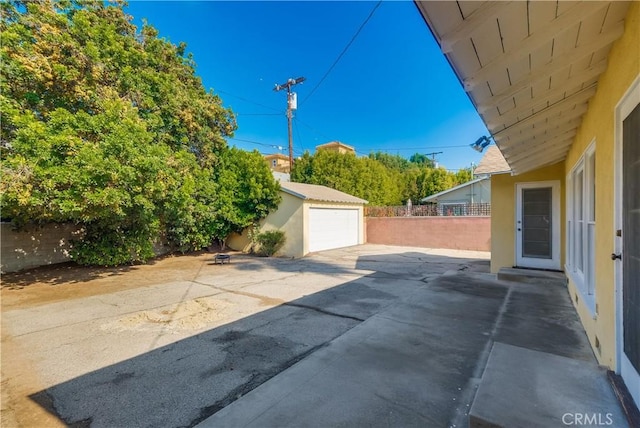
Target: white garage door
x,y
332,228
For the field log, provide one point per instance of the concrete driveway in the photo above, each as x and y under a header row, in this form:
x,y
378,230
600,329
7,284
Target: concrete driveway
x,y
364,336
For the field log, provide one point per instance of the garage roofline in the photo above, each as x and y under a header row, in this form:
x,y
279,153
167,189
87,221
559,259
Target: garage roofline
x,y
314,192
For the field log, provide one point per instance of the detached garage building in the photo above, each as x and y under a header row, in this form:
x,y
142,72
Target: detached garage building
x,y
313,218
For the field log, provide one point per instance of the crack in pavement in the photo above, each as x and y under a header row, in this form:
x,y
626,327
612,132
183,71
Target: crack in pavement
x,y
244,284
283,302
264,299
323,311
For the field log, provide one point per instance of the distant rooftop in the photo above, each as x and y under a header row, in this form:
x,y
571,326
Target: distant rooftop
x,y
435,196
336,145
492,162
277,155
319,193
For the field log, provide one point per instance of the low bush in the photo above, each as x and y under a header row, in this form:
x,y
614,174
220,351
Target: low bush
x,y
270,242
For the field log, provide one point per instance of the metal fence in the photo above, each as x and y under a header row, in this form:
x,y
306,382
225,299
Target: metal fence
x,y
475,210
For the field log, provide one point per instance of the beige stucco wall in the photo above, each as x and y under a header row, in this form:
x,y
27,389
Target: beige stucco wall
x,y
503,217
292,217
599,124
36,246
288,218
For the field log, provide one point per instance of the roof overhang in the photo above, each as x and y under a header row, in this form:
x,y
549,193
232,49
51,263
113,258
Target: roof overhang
x,y
529,68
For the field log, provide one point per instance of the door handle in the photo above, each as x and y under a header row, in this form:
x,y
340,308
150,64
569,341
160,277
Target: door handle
x,y
616,256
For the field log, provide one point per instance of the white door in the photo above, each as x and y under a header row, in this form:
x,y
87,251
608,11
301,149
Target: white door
x,y
627,240
538,225
333,228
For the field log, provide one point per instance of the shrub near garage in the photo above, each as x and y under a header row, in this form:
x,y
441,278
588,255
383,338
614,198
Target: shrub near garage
x,y
270,242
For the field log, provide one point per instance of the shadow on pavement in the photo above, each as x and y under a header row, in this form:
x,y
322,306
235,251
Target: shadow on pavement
x,y
182,383
422,355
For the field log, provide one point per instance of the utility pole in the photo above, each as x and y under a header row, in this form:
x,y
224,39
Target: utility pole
x,y
292,104
433,157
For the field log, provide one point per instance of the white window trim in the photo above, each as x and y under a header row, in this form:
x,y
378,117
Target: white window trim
x,y
584,280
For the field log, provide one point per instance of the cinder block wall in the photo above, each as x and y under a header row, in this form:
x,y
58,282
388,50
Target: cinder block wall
x,y
458,233
37,246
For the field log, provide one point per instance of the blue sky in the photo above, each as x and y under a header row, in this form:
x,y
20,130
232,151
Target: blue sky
x,y
392,90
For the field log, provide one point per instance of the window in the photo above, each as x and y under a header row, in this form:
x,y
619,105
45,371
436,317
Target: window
x,y
581,223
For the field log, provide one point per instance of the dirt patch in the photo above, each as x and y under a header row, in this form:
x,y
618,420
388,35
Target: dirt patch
x,y
69,281
19,381
184,316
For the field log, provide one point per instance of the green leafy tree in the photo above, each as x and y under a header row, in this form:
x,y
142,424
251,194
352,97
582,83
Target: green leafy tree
x,y
365,178
464,175
435,180
247,192
421,160
396,162
109,127
379,178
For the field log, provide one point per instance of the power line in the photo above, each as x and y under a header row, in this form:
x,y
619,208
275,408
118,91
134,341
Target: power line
x,y
297,128
259,114
395,149
344,51
254,142
418,148
313,129
246,100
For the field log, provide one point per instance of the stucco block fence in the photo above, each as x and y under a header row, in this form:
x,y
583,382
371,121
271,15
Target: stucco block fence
x,y
35,246
42,245
455,232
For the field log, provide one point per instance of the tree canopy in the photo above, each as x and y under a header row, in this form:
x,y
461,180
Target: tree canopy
x,y
109,127
381,179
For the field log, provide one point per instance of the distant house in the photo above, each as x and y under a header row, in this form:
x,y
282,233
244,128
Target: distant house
x,y
477,191
278,162
336,146
491,163
313,218
474,191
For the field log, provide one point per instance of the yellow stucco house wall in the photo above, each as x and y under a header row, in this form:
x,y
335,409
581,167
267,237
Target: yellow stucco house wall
x,y
598,128
503,216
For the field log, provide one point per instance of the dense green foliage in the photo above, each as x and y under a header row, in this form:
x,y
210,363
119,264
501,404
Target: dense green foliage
x,y
110,128
381,179
270,242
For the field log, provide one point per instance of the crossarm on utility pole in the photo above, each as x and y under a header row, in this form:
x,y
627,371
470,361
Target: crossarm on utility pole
x,y
287,85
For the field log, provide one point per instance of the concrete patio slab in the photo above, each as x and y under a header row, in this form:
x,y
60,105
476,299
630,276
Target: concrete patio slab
x,y
171,343
369,335
521,387
420,360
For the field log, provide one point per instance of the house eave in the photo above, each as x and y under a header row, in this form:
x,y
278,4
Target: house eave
x,y
528,68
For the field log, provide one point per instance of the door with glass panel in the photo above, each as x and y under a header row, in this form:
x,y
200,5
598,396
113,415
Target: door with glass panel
x,y
538,225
